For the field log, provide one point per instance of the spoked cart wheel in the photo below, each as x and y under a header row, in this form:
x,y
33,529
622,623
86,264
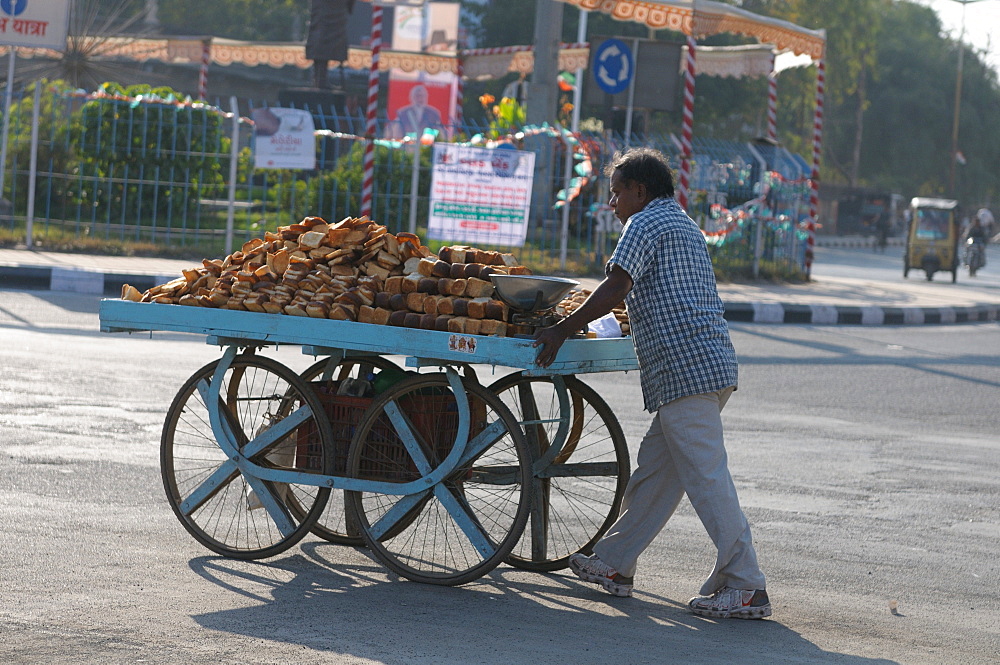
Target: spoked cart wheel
x,y
577,489
254,409
441,475
326,375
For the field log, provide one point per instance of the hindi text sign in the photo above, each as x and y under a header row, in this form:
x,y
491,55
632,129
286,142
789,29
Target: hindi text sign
x,y
34,23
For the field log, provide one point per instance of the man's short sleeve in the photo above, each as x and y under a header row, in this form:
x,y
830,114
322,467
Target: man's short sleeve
x,y
633,251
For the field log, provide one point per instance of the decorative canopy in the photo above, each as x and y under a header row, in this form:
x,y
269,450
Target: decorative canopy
x,y
750,61
479,64
700,18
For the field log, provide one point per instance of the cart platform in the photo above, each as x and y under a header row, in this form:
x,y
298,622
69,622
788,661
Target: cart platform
x,y
577,356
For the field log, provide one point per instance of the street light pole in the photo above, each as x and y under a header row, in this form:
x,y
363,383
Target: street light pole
x,y
958,103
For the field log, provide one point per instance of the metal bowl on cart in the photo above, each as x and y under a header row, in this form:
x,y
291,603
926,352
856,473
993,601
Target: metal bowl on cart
x,y
532,293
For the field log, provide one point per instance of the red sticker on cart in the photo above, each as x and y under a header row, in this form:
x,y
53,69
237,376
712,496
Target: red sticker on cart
x,y
462,343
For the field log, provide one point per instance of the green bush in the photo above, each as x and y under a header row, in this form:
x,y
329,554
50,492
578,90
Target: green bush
x,y
175,147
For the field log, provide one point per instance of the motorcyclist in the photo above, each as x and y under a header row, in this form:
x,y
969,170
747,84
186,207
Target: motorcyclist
x,y
978,231
985,220
979,226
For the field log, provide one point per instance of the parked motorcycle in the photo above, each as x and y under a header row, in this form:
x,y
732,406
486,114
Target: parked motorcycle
x,y
975,255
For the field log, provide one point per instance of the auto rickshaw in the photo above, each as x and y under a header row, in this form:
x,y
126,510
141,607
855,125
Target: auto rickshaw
x,y
932,237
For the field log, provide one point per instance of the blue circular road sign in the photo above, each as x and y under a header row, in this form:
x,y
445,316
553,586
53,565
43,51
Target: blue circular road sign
x,y
613,66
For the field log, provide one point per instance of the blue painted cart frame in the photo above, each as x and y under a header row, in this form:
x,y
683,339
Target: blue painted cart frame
x,y
344,339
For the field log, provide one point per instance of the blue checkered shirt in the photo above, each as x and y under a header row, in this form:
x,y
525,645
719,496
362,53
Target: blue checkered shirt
x,y
681,338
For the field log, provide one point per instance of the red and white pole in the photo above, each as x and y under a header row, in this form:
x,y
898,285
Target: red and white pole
x,y
459,92
687,123
206,57
368,185
817,153
772,104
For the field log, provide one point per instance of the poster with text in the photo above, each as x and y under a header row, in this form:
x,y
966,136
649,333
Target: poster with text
x,y
480,195
284,139
38,23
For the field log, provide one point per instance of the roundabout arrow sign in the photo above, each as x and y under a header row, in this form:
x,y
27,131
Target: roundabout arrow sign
x,y
613,66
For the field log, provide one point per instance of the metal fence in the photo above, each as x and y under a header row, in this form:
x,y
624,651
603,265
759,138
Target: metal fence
x,y
164,173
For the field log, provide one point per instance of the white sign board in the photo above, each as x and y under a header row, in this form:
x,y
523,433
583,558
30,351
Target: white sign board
x,y
283,139
34,23
480,195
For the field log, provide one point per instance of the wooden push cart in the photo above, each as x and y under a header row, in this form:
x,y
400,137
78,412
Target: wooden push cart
x,y
443,478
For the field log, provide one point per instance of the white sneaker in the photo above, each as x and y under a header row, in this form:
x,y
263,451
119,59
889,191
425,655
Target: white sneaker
x,y
592,569
729,603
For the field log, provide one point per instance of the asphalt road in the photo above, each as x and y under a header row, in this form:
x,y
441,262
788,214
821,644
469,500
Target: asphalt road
x,y
866,458
887,266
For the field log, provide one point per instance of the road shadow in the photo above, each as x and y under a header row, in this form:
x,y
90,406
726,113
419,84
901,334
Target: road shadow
x,y
509,616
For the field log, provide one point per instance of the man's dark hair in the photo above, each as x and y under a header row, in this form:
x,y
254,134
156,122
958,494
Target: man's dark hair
x,y
646,166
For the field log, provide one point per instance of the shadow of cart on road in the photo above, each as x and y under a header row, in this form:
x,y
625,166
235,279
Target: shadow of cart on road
x,y
361,610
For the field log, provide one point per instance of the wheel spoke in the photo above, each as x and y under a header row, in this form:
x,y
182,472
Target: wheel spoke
x,y
391,518
461,512
222,477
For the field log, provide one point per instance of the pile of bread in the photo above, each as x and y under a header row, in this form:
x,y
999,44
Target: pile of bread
x,y
353,270
575,298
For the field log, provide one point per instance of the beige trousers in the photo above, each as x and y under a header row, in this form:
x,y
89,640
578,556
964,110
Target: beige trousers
x,y
684,453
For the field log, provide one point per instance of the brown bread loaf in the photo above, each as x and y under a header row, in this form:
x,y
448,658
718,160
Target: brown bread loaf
x,y
398,302
428,285
446,305
415,302
441,269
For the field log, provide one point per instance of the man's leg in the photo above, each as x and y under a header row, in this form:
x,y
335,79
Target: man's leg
x,y
692,427
653,493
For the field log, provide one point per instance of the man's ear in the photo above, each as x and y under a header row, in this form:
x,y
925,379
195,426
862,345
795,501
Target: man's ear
x,y
641,191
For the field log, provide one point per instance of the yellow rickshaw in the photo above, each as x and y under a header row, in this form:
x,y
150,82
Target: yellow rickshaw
x,y
932,237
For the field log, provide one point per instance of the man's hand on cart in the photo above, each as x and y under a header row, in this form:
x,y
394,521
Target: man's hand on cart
x,y
608,295
550,339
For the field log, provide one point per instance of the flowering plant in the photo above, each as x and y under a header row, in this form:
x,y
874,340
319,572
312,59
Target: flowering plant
x,y
505,117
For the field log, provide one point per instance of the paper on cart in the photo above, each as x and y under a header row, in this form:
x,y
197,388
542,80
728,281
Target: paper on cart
x,y
606,326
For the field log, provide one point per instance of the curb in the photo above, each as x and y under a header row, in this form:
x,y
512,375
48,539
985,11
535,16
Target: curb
x,y
855,242
48,278
757,312
110,284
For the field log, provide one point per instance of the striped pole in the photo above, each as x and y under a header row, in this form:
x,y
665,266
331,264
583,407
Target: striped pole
x,y
687,123
817,153
368,185
772,103
459,93
206,56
